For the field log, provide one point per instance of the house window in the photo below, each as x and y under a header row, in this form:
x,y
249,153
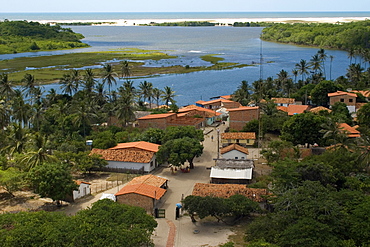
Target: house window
x,y
341,100
243,158
151,163
350,100
236,158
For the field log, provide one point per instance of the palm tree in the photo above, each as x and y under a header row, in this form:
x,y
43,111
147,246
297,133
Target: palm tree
x,y
157,94
146,90
108,76
322,56
39,154
302,68
89,81
331,62
21,111
354,73
6,87
84,114
29,85
315,63
125,107
282,79
295,73
125,70
168,95
68,85
4,115
351,54
17,139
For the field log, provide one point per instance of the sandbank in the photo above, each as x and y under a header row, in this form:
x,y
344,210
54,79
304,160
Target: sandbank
x,y
220,21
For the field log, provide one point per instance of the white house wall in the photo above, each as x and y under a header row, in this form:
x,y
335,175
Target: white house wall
x,y
83,190
234,154
132,165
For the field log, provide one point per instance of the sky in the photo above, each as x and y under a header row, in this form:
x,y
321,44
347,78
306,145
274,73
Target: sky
x,y
183,5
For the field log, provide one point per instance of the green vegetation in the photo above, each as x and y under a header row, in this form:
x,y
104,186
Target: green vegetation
x,y
23,36
344,36
106,223
212,58
252,24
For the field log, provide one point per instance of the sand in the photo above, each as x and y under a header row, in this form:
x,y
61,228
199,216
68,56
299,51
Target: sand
x,y
221,21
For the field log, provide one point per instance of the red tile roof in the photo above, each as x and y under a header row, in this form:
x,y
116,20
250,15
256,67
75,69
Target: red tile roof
x,y
319,108
149,180
215,101
365,93
338,93
297,109
78,182
350,131
227,190
137,145
143,189
234,147
157,116
208,112
244,108
239,135
124,155
226,97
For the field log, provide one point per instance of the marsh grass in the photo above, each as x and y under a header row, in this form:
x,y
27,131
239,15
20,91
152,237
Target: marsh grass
x,y
49,69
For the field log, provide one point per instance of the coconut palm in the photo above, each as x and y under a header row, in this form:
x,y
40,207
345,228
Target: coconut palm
x,y
17,139
84,114
89,81
108,76
168,95
29,85
125,69
146,90
21,111
302,68
315,63
157,94
125,108
322,56
331,63
68,84
6,87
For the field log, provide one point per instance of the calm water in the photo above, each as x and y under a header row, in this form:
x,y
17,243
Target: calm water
x,y
241,45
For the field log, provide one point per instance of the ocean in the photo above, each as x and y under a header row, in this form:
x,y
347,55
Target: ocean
x,y
240,45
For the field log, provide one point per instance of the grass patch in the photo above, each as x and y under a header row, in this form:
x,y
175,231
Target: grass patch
x,y
212,58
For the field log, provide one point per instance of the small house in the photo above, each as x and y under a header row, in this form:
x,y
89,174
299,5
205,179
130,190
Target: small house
x,y
234,151
231,171
241,138
83,189
348,98
239,117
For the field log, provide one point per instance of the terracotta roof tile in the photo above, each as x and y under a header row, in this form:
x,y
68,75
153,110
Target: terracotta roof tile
x,y
78,182
208,112
338,93
124,155
297,109
239,135
156,116
365,93
149,180
142,189
215,101
147,146
319,108
350,131
234,147
227,190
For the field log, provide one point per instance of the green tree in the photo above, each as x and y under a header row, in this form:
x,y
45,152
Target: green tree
x,y
303,129
168,95
52,180
178,151
108,76
319,93
176,132
11,179
152,135
363,115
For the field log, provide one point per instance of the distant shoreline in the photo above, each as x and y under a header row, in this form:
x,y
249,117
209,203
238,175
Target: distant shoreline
x,y
220,21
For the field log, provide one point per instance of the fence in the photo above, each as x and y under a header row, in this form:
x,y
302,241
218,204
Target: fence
x,y
96,188
120,170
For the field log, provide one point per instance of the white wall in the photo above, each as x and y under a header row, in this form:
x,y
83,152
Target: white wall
x,y
234,154
82,191
132,165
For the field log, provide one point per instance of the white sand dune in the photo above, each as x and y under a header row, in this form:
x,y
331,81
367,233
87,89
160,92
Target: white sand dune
x,y
221,21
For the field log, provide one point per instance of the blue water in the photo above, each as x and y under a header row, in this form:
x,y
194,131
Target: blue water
x,y
240,45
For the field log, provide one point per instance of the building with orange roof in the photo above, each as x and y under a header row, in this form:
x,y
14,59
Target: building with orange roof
x,y
234,151
210,116
162,121
217,104
227,190
239,117
143,191
140,195
297,109
349,131
130,156
319,109
241,138
348,98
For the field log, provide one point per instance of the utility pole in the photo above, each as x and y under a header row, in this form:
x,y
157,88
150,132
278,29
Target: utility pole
x,y
218,143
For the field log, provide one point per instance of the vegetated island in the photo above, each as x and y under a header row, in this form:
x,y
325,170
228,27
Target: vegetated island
x,y
54,67
352,37
24,36
207,24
